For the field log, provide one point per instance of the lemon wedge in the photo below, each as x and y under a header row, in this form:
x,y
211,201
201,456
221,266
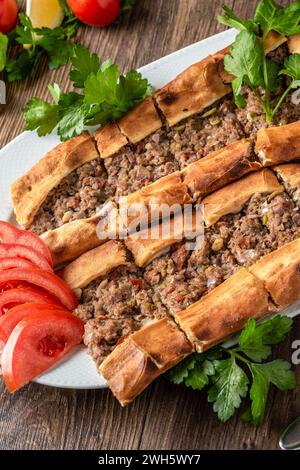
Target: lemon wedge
x,y
45,13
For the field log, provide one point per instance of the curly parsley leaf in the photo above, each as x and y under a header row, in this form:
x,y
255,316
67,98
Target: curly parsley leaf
x,y
3,50
54,42
292,68
277,373
84,63
230,386
194,371
272,16
22,66
255,340
246,59
72,111
106,96
127,5
40,116
230,19
228,382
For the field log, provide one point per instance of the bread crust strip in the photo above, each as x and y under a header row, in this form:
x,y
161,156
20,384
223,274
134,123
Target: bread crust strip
x,y
280,273
94,264
225,310
30,191
142,357
145,248
192,91
219,168
109,140
294,43
232,198
72,239
290,174
278,144
141,121
168,191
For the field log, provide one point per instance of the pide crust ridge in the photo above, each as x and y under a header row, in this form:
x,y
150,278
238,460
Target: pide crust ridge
x,y
30,191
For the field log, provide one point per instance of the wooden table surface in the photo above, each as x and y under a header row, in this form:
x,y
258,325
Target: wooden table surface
x,y
165,416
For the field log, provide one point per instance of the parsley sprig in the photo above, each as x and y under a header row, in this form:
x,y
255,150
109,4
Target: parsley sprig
x,y
223,370
106,95
55,43
247,60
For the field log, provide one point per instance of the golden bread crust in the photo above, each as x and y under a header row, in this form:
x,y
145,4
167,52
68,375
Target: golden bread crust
x,y
94,264
30,191
232,198
109,140
141,121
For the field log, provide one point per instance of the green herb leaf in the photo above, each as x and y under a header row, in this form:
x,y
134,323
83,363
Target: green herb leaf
x,y
246,59
230,386
22,66
255,340
84,63
230,19
55,42
72,111
40,116
277,373
55,92
180,372
236,88
127,5
292,66
272,16
3,50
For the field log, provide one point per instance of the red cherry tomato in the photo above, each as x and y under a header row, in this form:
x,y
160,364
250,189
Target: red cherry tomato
x,y
96,12
8,15
36,343
25,252
11,234
22,295
18,313
43,279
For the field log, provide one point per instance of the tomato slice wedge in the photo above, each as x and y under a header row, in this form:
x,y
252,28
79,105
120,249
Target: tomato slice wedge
x,y
22,295
16,314
36,344
43,279
26,252
11,234
14,262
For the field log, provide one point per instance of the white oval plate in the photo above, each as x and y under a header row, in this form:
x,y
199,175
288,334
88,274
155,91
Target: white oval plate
x,y
77,370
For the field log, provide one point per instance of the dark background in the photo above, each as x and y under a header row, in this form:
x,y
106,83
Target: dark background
x,y
165,416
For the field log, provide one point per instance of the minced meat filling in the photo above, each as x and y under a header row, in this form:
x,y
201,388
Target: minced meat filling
x,y
183,276
162,153
129,297
114,307
76,197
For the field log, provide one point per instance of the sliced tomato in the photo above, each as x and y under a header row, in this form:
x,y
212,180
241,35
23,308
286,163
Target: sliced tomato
x,y
22,295
43,279
14,262
26,252
16,314
36,344
11,234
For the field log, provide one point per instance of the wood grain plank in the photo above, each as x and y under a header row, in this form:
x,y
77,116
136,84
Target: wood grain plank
x,y
165,416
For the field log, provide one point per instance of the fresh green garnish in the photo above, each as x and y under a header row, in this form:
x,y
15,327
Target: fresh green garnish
x,y
55,43
220,369
3,50
127,5
247,60
106,96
